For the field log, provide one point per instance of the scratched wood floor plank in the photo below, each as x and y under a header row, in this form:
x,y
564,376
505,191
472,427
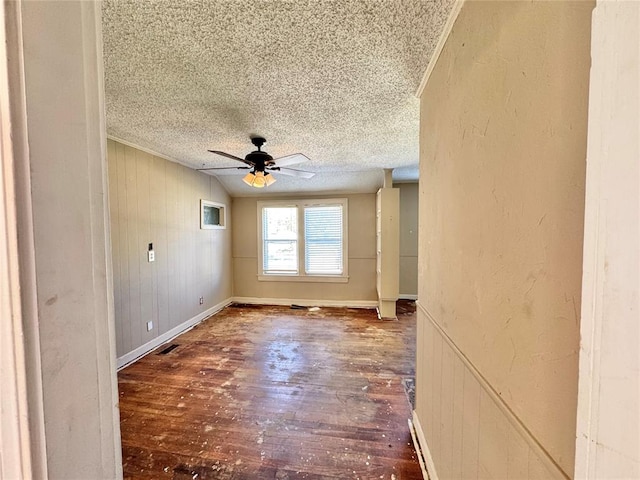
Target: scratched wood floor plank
x,y
266,392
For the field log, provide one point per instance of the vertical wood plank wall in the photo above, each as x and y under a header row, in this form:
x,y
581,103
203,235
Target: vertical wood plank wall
x,y
503,141
469,431
153,200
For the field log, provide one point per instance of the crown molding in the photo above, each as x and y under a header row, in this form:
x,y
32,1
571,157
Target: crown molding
x,y
448,26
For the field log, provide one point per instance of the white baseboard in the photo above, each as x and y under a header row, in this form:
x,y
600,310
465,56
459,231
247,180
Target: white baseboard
x,y
416,445
407,296
307,302
141,351
424,447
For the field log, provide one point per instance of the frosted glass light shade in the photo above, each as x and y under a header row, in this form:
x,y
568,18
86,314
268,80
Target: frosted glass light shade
x,y
258,179
270,179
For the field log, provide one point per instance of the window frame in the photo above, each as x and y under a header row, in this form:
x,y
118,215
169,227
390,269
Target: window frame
x,y
301,275
222,215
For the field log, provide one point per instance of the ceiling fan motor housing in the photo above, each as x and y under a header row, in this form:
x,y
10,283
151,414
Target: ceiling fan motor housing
x,y
260,160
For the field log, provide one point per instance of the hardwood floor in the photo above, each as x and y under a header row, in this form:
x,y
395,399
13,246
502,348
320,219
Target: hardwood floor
x,y
259,392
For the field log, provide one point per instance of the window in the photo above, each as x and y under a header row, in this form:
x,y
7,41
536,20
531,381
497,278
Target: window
x,y
280,240
212,215
303,240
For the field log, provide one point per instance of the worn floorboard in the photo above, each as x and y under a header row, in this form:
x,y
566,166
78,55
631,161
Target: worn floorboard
x,y
274,393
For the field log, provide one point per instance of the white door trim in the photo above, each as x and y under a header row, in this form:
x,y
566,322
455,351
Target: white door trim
x,y
21,414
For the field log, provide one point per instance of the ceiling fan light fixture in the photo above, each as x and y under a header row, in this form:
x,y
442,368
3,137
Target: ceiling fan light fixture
x,y
259,181
248,178
258,161
269,179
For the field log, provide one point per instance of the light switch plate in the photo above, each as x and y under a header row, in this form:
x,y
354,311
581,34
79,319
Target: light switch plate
x,y
151,255
149,326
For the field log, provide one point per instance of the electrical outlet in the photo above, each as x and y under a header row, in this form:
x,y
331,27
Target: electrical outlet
x,y
151,255
201,300
149,326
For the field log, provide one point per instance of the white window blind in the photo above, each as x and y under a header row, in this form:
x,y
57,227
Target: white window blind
x,y
323,240
280,237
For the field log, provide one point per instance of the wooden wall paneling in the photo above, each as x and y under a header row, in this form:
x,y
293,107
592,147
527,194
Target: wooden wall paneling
x,y
144,231
162,239
191,209
219,263
123,327
469,432
132,223
517,454
458,415
206,243
436,445
421,364
181,244
183,240
537,469
172,242
158,201
114,215
471,426
446,413
203,247
492,448
428,422
157,229
195,279
187,251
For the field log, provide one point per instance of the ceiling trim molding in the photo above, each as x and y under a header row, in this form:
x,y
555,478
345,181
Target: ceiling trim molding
x,y
168,158
448,26
149,151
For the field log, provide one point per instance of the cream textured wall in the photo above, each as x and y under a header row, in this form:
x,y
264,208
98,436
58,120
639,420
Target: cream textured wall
x,y
502,169
408,239
361,233
608,433
153,200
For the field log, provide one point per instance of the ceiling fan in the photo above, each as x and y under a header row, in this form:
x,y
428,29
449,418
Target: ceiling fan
x,y
261,165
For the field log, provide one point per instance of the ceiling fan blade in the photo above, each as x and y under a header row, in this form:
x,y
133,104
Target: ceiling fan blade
x,y
223,168
233,157
292,173
292,159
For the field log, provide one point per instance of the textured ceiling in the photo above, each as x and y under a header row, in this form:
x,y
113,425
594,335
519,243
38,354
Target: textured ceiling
x,y
334,80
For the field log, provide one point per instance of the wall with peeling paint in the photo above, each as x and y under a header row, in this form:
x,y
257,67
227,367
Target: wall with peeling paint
x,y
502,168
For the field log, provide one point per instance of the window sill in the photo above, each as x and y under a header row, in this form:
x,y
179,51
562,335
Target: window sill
x,y
304,278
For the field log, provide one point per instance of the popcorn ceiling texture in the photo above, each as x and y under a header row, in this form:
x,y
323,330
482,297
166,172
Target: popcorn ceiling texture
x,y
333,80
